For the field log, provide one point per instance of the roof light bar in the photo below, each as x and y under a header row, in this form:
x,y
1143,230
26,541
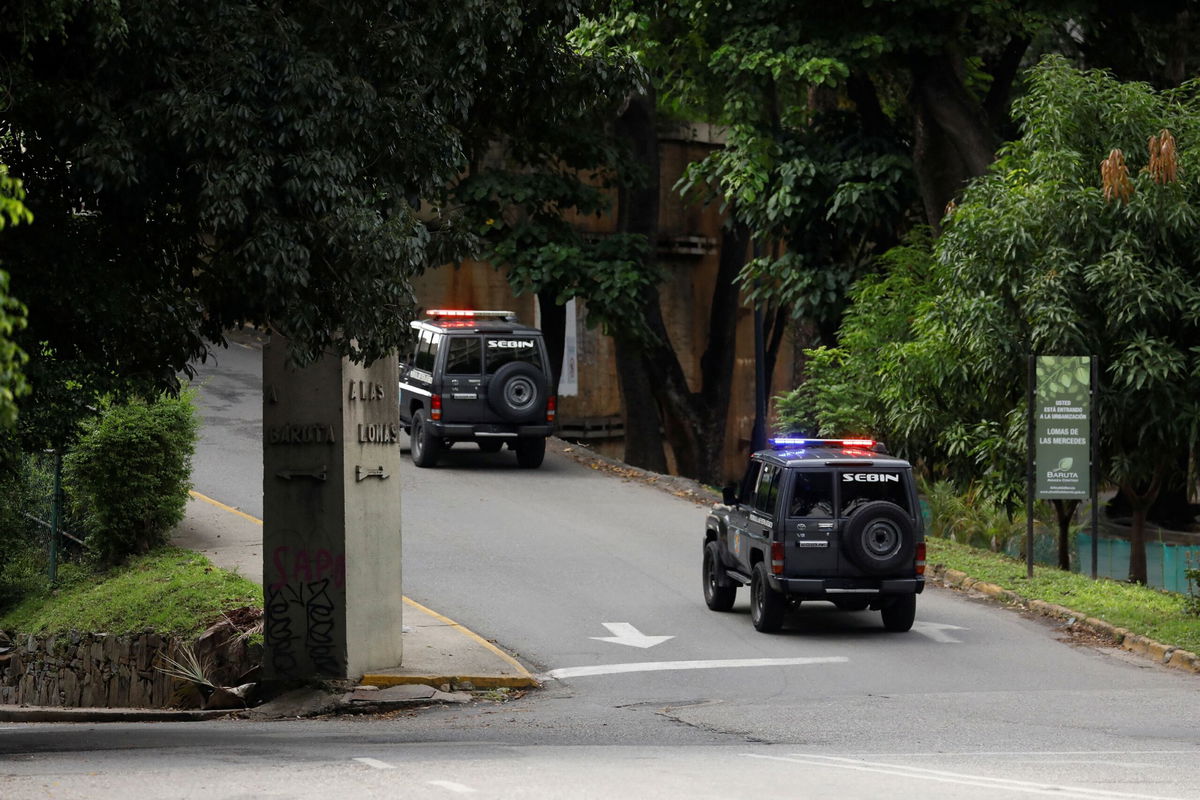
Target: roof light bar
x,y
443,313
792,441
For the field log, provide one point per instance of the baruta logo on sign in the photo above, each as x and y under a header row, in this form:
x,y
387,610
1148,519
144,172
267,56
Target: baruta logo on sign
x,y
869,477
510,343
1063,470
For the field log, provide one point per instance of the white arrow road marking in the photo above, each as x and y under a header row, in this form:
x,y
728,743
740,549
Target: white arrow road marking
x,y
661,666
374,762
937,631
624,633
944,776
452,786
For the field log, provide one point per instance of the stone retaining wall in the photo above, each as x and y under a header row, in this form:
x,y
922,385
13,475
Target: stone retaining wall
x,y
99,670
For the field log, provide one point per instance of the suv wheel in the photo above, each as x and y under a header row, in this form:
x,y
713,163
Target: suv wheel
x,y
898,615
879,537
425,447
531,450
518,391
766,604
716,596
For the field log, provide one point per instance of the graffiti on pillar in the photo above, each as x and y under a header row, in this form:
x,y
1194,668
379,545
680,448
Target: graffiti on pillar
x,y
301,613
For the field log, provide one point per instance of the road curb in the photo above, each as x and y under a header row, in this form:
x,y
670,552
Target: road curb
x,y
92,715
1165,654
467,682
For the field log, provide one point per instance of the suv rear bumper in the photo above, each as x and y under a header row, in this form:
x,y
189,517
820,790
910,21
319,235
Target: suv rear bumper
x,y
455,431
843,587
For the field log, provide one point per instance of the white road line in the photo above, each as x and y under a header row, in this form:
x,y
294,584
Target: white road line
x,y
943,776
374,762
452,786
1022,753
662,666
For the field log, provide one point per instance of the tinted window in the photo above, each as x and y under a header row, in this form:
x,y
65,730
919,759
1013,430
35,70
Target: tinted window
x,y
749,481
859,488
501,350
812,495
462,356
427,350
768,489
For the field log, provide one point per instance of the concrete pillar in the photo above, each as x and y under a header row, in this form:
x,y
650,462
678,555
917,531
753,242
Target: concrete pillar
x,y
331,517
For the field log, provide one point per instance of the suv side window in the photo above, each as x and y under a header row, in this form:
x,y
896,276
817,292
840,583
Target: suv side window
x,y
427,350
749,482
812,495
463,356
768,489
860,488
506,349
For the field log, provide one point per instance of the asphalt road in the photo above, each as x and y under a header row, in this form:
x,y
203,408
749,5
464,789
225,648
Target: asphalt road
x,y
553,565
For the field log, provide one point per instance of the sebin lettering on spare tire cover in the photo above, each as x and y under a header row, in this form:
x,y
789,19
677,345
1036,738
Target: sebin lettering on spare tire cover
x,y
879,538
518,391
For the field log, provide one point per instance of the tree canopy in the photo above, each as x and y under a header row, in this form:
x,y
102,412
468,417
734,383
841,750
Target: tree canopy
x,y
1050,253
12,311
200,166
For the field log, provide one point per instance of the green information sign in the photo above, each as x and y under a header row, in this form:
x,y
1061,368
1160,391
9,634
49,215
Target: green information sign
x,y
1062,427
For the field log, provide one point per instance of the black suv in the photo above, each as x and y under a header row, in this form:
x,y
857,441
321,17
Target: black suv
x,y
476,376
818,519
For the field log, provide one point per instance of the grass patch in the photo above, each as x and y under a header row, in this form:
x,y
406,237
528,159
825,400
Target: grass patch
x,y
168,591
1162,616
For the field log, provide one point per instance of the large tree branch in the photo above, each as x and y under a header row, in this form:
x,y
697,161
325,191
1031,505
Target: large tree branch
x,y
1004,72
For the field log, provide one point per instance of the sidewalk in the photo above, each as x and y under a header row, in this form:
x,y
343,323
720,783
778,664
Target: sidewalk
x,y
438,652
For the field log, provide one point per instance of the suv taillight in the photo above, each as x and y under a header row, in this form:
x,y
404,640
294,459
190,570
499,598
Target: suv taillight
x,y
435,407
551,408
777,558
920,558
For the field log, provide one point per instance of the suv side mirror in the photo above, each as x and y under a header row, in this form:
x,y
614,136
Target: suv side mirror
x,y
729,494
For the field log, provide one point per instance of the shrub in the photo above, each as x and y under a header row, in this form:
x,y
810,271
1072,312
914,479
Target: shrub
x,y
971,518
129,474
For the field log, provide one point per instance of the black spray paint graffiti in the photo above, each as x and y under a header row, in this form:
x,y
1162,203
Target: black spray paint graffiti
x,y
300,613
300,623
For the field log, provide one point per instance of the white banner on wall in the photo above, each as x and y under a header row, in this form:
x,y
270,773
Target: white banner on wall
x,y
568,384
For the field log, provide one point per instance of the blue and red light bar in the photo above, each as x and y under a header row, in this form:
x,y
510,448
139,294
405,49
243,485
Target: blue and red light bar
x,y
793,441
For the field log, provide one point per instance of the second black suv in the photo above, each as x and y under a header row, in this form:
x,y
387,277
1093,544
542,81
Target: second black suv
x,y
476,376
818,519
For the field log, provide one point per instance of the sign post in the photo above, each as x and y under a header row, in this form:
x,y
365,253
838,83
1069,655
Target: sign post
x,y
1060,430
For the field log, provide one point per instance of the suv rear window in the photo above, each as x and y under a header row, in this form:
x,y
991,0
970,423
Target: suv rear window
x,y
860,488
501,350
812,495
462,356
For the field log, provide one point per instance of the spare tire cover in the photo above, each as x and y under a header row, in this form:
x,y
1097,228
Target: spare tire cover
x,y
879,538
518,391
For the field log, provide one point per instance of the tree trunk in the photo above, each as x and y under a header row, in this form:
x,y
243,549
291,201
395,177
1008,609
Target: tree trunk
x,y
637,212
1140,504
694,422
1064,511
643,430
952,140
1137,545
654,388
554,330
